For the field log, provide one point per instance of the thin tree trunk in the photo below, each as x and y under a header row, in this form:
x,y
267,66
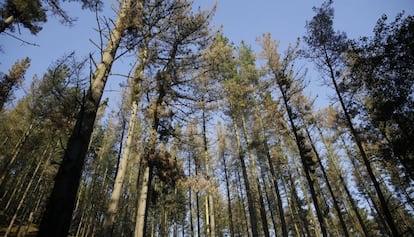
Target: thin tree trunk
x,y
210,225
255,177
305,166
328,184
369,196
242,206
271,167
207,217
296,209
384,206
268,198
32,213
347,192
190,201
19,185
143,202
120,175
16,151
26,191
198,209
226,177
306,197
274,179
249,194
58,214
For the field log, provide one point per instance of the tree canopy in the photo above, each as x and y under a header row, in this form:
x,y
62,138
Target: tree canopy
x,y
207,137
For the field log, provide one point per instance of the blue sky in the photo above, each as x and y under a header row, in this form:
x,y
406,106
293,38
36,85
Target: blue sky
x,y
241,20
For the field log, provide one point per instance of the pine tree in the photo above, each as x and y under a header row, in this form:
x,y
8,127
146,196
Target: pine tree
x,y
282,73
58,213
326,49
382,67
32,14
11,80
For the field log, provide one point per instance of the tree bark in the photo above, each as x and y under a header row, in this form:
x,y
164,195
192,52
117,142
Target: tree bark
x,y
120,174
6,23
210,220
249,194
58,214
143,202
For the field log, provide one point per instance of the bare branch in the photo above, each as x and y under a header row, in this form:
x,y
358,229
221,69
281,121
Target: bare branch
x,y
21,40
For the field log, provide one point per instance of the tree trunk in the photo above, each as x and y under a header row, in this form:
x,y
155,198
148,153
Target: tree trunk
x,y
32,212
274,178
242,221
190,201
249,194
58,214
120,174
143,202
210,220
255,176
347,192
16,151
369,196
328,184
304,160
19,186
226,178
306,197
197,208
268,196
6,23
383,203
296,208
26,191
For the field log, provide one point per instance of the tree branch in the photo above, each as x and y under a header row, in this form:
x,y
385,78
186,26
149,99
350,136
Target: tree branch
x,y
21,40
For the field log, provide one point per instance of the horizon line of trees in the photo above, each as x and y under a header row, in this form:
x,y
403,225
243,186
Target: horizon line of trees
x,y
206,142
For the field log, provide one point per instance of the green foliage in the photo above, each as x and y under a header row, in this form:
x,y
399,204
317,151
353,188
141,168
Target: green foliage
x,y
58,95
30,14
383,68
325,46
184,73
12,79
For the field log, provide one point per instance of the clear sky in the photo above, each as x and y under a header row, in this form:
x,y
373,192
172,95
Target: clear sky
x,y
241,20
